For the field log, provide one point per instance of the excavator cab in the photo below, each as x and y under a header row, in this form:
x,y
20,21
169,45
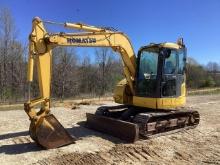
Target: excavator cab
x,y
160,71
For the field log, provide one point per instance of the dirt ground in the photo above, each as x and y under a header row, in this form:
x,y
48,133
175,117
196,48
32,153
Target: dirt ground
x,y
196,146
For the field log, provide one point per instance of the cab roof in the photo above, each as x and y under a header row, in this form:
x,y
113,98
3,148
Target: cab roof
x,y
169,45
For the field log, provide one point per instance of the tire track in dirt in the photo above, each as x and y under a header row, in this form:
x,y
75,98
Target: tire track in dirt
x,y
117,155
18,140
73,159
22,140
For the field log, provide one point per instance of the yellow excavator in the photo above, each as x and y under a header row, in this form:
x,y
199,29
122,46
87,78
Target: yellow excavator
x,y
150,96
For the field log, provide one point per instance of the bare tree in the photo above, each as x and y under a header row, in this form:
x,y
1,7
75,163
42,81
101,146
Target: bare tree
x,y
88,77
107,63
102,58
213,67
11,56
214,71
64,72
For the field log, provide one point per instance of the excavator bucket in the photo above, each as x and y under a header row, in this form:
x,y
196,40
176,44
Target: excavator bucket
x,y
123,130
49,133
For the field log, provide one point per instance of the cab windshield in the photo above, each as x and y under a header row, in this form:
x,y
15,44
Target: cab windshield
x,y
148,65
147,73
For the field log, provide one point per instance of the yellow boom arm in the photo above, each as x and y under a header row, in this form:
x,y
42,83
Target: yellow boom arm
x,y
41,44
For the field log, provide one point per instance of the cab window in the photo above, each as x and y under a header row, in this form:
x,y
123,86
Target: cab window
x,y
148,65
170,63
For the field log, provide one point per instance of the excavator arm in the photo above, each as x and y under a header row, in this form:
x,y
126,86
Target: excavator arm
x,y
41,44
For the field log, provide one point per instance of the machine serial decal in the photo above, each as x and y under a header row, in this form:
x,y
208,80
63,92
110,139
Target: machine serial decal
x,y
81,40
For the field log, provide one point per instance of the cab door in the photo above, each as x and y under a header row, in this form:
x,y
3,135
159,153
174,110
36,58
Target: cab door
x,y
147,73
173,73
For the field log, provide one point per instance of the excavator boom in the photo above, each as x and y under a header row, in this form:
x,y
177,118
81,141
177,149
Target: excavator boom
x,y
45,129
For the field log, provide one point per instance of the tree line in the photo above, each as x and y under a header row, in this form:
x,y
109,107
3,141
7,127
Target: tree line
x,y
199,76
73,75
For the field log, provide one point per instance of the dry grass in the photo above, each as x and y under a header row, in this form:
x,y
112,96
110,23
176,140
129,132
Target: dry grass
x,y
75,104
8,107
204,91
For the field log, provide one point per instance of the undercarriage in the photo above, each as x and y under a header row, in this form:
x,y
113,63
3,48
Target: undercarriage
x,y
131,123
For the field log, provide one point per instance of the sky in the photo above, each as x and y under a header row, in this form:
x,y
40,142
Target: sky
x,y
144,21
